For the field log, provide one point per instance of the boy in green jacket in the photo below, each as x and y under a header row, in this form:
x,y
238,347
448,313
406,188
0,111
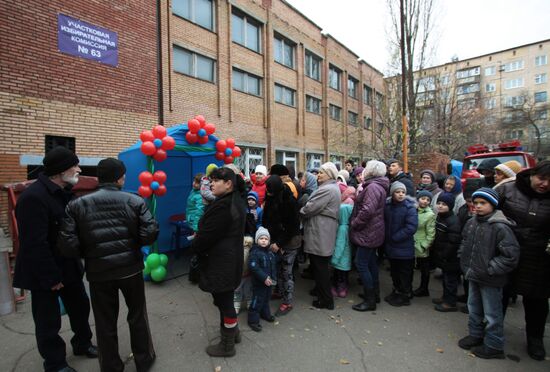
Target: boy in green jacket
x,y
423,240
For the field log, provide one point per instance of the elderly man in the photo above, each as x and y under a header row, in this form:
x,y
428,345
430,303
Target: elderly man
x,y
40,269
108,229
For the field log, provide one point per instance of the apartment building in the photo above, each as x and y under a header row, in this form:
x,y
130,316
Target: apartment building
x,y
266,75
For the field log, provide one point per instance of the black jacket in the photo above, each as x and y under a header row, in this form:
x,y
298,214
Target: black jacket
x,y
489,250
108,228
281,217
219,244
406,179
447,241
39,212
531,213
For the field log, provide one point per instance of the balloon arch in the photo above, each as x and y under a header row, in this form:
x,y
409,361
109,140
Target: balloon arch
x,y
155,144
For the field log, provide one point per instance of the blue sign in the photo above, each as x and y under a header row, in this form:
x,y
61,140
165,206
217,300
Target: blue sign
x,y
82,39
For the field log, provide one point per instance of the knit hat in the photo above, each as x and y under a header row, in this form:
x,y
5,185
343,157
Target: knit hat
x,y
423,193
59,160
252,195
428,172
110,170
488,164
447,198
262,231
358,170
343,176
397,186
261,169
210,168
374,168
509,168
488,194
330,170
279,170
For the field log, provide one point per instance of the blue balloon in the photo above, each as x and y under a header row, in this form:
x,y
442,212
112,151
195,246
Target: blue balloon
x,y
228,151
157,142
201,132
155,185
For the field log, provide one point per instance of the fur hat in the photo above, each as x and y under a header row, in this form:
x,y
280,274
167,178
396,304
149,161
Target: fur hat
x,y
261,169
59,160
488,194
279,170
397,186
447,198
330,169
509,168
374,168
424,193
209,168
262,231
110,170
428,172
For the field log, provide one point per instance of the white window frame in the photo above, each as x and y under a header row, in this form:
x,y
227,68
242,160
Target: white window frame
x,y
541,93
333,72
513,66
490,103
541,78
246,21
310,107
286,157
311,59
281,93
541,60
490,87
283,42
178,9
353,83
313,160
367,122
249,156
333,111
367,95
194,63
490,71
351,115
513,83
246,77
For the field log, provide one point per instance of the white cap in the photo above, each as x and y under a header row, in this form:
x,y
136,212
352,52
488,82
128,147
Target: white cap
x,y
261,169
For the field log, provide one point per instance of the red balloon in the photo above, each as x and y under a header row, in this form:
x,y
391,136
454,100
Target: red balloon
x,y
159,176
230,142
219,155
203,140
168,143
159,131
146,135
228,160
201,120
194,125
148,148
210,128
221,145
160,191
160,155
145,178
145,191
236,152
191,138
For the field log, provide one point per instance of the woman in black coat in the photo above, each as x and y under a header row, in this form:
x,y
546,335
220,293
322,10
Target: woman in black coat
x,y
219,246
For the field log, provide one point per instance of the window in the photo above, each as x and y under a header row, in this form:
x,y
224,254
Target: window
x,y
313,105
515,134
513,101
51,142
513,83
337,160
314,161
335,112
313,66
540,97
352,87
489,71
540,60
445,80
367,122
467,88
367,95
286,158
379,101
468,72
490,87
284,95
200,12
245,31
490,103
284,51
540,78
193,64
541,114
352,118
334,77
247,83
426,84
249,159
513,66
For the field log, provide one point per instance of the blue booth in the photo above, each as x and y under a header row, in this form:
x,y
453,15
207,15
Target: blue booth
x,y
181,165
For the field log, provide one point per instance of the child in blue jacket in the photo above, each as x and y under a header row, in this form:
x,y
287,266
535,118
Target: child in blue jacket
x,y
195,206
254,208
263,267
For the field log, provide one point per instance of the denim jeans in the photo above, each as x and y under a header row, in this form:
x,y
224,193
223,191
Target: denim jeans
x,y
486,302
450,286
367,266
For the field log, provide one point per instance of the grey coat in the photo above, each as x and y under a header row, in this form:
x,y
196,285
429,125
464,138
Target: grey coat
x,y
320,219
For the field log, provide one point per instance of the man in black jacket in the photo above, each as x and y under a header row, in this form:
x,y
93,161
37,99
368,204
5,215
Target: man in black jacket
x,y
39,267
108,229
395,172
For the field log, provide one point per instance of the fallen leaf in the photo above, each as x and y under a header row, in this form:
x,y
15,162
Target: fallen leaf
x,y
344,361
386,320
472,355
439,350
276,323
380,343
365,342
218,369
332,317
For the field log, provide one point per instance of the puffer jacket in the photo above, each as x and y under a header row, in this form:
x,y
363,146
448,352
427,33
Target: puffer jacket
x,y
262,263
367,219
219,244
425,234
447,241
489,250
108,228
401,221
531,213
194,209
341,257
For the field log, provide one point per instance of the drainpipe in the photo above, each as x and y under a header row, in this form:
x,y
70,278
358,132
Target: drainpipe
x,y
160,93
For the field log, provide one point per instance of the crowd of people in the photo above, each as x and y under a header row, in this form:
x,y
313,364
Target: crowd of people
x,y
250,233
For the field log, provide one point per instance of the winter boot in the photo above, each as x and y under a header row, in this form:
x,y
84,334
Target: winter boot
x,y
469,342
370,301
400,299
392,296
535,348
226,347
238,337
486,352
